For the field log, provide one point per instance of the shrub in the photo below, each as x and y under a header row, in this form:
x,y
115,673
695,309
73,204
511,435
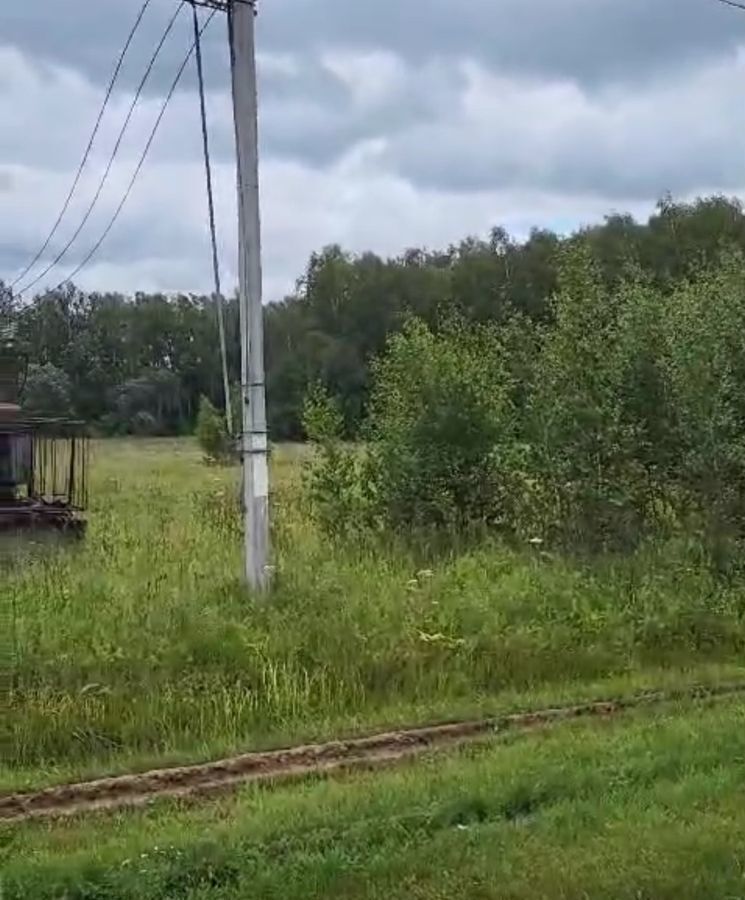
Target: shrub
x,y
582,440
47,391
212,433
705,365
144,424
441,421
149,404
336,482
440,427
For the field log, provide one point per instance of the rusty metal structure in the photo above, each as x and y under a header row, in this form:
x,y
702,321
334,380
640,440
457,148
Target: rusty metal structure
x,y
43,460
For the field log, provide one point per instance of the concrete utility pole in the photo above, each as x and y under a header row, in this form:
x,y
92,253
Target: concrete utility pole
x,y
254,443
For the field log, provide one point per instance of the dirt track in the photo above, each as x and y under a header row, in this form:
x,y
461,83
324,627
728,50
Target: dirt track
x,y
371,752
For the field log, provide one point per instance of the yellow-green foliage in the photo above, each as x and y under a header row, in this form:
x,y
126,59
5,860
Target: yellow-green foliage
x,y
619,420
211,432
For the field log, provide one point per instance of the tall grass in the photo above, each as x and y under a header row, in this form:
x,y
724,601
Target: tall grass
x,y
143,641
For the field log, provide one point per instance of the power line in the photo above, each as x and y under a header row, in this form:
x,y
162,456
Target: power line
x,y
115,152
86,155
97,246
213,229
733,3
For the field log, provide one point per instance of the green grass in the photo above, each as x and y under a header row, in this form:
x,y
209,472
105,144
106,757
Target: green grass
x,y
645,807
141,645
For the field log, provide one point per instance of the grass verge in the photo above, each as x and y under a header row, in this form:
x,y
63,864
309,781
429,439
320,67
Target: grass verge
x,y
648,806
141,647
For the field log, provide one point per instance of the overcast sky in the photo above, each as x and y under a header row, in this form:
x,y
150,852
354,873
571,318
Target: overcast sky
x,y
384,125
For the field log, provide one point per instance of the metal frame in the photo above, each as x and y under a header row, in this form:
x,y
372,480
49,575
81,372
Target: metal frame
x,y
58,478
221,5
62,428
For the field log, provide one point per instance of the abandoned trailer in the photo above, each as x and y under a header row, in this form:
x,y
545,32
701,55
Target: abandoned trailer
x,y
43,461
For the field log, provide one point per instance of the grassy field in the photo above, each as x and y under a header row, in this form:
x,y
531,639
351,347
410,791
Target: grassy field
x,y
640,808
140,646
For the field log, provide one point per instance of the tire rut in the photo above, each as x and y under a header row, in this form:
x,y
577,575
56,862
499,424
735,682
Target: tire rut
x,y
138,790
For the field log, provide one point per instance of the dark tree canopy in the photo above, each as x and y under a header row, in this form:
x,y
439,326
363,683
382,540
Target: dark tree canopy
x,y
142,363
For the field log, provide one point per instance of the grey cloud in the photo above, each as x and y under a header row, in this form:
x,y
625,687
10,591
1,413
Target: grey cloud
x,y
382,125
89,36
52,112
12,257
592,41
309,114
588,40
683,136
317,118
436,129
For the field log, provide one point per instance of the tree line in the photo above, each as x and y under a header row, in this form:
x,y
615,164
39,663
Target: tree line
x,y
141,364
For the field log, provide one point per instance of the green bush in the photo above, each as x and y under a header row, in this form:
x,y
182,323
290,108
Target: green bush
x,y
440,429
705,367
212,433
441,425
47,391
335,479
582,431
144,424
150,404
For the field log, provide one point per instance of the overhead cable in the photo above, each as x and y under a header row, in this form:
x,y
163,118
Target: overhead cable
x,y
97,246
112,158
220,306
733,3
87,153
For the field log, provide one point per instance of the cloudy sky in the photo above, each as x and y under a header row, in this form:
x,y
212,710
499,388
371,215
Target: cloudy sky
x,y
384,125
